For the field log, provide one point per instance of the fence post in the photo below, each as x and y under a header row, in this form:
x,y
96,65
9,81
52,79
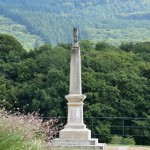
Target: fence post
x,y
92,125
122,130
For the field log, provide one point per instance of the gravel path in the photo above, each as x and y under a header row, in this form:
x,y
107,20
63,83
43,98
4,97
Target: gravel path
x,y
123,148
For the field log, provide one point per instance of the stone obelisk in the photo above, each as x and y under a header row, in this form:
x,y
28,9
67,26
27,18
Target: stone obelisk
x,y
75,128
75,133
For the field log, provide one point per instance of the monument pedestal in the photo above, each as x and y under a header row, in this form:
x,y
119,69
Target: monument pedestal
x,y
79,134
75,128
75,133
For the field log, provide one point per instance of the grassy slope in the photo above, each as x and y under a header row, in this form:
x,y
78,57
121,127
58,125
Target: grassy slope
x,y
7,26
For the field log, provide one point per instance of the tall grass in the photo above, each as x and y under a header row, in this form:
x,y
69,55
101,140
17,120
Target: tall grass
x,y
25,132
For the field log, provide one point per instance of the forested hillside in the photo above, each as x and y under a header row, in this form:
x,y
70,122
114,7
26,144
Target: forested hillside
x,y
114,39
116,81
99,20
8,26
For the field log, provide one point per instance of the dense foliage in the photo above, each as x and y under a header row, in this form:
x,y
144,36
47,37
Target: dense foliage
x,y
20,32
115,21
115,79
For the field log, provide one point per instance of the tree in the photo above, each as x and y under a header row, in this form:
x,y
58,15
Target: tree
x,y
9,44
116,83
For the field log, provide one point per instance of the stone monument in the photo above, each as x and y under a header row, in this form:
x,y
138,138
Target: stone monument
x,y
75,133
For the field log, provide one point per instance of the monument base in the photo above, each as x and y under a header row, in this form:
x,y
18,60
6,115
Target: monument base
x,y
83,144
79,134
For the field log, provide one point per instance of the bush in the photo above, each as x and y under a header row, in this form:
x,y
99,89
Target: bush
x,y
120,140
25,132
116,139
129,141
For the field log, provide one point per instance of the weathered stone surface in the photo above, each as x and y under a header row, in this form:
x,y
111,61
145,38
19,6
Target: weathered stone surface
x,y
75,128
75,72
75,111
75,133
90,144
77,142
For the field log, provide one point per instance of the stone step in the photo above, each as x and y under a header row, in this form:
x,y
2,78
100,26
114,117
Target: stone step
x,y
75,142
87,144
89,147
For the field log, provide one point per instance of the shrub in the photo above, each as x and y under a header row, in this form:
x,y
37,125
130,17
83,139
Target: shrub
x,y
26,132
120,140
116,139
129,141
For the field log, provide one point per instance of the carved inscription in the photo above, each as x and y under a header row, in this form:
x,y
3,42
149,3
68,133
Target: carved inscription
x,y
75,116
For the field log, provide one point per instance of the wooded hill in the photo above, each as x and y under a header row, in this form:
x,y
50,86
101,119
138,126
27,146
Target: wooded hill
x,y
113,21
20,32
116,81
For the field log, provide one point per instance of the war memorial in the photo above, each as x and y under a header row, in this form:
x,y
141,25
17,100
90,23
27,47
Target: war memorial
x,y
75,133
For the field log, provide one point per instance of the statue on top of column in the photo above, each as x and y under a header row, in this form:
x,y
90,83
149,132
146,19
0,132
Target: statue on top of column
x,y
75,35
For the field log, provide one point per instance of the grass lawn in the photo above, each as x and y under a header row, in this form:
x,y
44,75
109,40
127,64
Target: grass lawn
x,y
126,147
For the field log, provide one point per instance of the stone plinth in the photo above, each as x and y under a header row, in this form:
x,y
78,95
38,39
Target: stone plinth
x,y
75,128
83,144
75,134
78,134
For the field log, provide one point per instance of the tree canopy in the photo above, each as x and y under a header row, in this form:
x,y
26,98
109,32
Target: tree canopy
x,y
115,79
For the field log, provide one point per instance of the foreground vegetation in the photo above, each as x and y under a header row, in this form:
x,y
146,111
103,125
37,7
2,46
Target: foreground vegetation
x,y
115,79
27,132
20,132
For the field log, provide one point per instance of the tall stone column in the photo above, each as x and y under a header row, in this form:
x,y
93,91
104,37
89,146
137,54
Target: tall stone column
x,y
75,128
75,133
75,67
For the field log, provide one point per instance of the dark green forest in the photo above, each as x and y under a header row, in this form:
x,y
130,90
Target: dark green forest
x,y
114,21
116,81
